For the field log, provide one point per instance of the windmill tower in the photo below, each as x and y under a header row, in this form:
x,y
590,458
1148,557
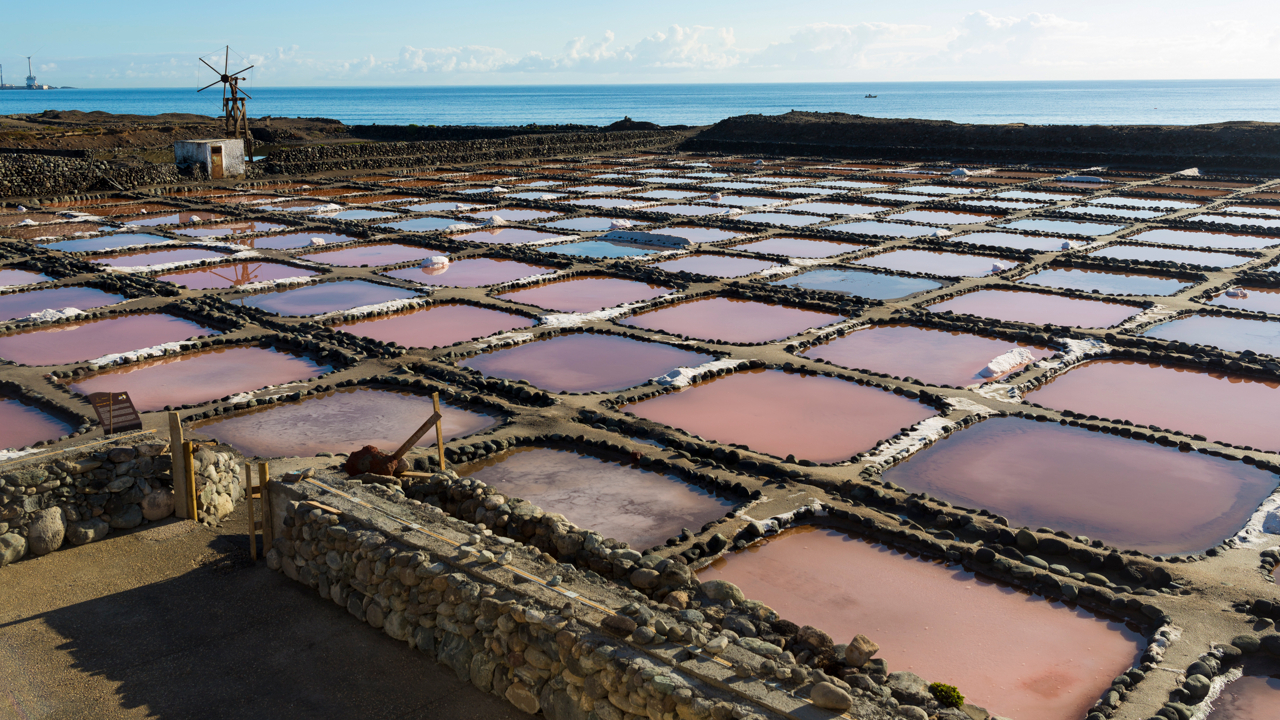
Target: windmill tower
x,y
237,122
31,76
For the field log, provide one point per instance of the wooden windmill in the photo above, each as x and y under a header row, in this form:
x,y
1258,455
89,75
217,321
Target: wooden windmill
x,y
237,121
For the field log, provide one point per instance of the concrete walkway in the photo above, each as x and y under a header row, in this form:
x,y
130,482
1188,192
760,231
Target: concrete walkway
x,y
174,621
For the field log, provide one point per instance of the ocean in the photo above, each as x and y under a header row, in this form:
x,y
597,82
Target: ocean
x,y
1128,102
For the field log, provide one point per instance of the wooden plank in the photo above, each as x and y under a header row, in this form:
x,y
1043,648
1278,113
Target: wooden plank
x,y
435,403
323,507
178,472
248,506
189,480
417,434
268,533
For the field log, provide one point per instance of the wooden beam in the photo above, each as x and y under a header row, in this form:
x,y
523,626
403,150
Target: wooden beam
x,y
248,506
417,435
268,533
178,471
435,403
189,480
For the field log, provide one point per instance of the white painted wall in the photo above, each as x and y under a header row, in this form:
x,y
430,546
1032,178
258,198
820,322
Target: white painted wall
x,y
199,152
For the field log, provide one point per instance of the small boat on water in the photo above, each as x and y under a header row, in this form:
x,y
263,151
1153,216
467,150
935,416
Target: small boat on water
x,y
870,95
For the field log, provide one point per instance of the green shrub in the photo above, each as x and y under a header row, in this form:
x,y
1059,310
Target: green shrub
x,y
948,695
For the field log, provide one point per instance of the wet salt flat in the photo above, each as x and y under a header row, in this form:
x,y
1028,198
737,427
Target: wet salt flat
x,y
437,326
506,236
1112,283
812,417
584,224
1017,241
936,263
938,357
513,214
342,421
1088,483
199,377
722,266
944,217
1248,698
233,275
1146,253
637,506
1196,238
1221,406
22,304
1265,300
10,277
1037,308
106,242
326,297
377,254
800,247
601,249
358,214
687,210
1016,655
151,258
883,229
585,294
238,227
720,319
293,240
22,425
585,362
1233,334
877,286
1065,227
471,272
423,224
73,342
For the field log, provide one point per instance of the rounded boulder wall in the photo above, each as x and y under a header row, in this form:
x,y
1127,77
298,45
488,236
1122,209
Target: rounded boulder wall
x,y
46,531
158,504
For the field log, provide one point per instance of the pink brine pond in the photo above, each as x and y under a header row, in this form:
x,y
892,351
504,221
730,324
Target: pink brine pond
x,y
936,263
471,272
437,326
22,304
938,357
585,294
21,425
1089,483
379,254
233,275
585,362
1037,308
1248,698
342,421
731,320
1219,405
637,506
1015,654
73,342
201,377
817,418
151,258
723,266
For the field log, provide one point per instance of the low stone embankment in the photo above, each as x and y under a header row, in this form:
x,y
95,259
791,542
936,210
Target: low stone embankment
x,y
81,495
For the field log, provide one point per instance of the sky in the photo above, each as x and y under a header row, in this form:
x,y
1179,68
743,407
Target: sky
x,y
147,43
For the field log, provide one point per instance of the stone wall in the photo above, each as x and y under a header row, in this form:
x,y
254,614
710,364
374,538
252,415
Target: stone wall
x,y
550,637
32,175
81,495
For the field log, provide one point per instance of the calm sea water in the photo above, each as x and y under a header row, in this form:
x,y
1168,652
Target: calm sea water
x,y
1179,102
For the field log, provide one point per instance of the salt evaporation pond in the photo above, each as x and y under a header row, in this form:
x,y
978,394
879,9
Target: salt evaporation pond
x,y
22,304
77,341
1017,241
506,236
327,297
1149,253
730,320
1232,334
436,326
877,286
471,272
344,421
936,263
722,266
220,277
883,229
601,249
106,242
813,417
1036,308
1122,491
699,234
586,294
1064,227
423,224
800,247
585,362
639,507
151,258
239,227
294,240
1248,698
1012,653
200,377
1219,405
10,277
938,357
21,425
1112,283
377,254
1265,300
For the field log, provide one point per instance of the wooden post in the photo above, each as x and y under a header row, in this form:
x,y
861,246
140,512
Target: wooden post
x,y
189,479
178,471
435,403
248,506
268,535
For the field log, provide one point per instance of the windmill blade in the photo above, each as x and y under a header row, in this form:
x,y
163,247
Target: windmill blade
x,y
206,87
226,62
245,70
211,67
245,93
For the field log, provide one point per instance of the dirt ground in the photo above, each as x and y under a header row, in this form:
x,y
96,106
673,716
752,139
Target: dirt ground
x,y
175,621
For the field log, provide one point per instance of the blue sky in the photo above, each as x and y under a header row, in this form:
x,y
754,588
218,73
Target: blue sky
x,y
146,43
